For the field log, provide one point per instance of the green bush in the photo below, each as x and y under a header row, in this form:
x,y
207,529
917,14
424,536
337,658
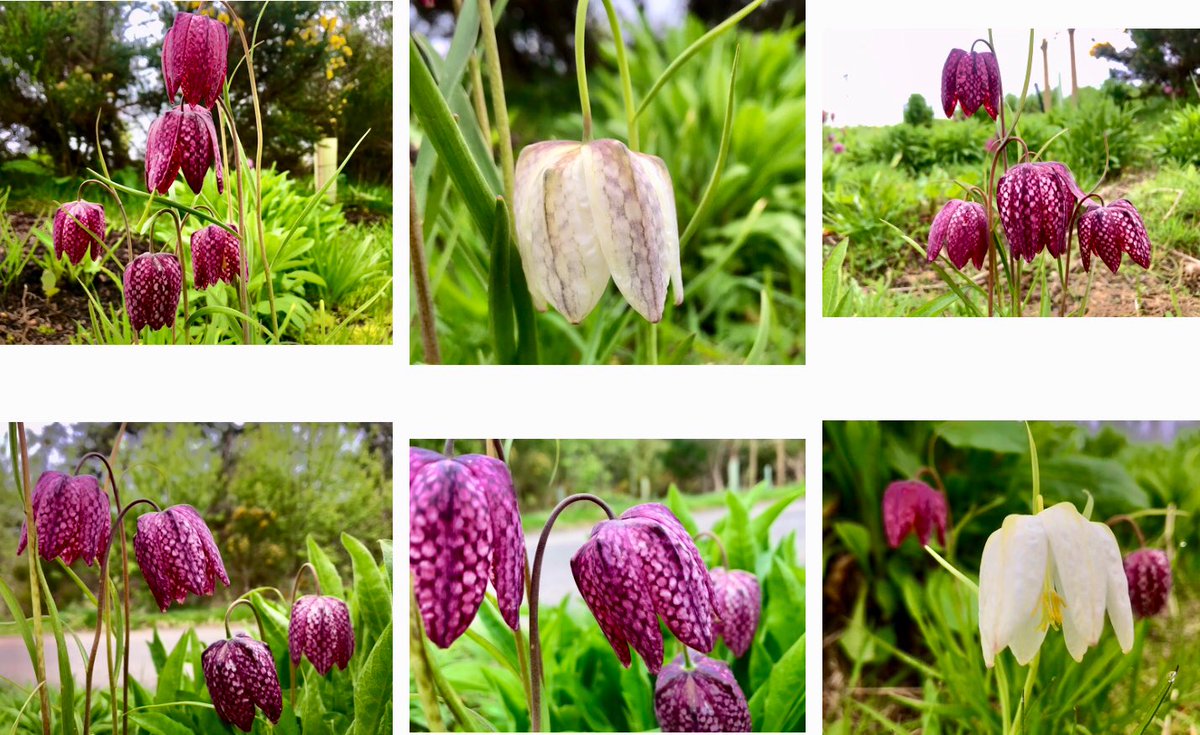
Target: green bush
x,y
1178,140
917,111
1096,127
856,206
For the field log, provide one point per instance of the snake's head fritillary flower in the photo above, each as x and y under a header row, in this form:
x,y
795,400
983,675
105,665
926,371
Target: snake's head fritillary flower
x,y
1050,570
75,223
739,604
587,211
177,555
971,79
195,55
464,528
320,629
703,697
910,506
1148,573
153,286
638,568
1111,230
839,148
71,516
216,256
240,675
1035,202
183,138
961,228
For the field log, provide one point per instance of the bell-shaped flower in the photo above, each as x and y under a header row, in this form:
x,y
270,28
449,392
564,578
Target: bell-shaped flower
x,y
703,697
971,79
1148,572
587,211
1035,202
240,675
75,223
72,518
960,227
464,528
739,605
320,629
1111,230
177,555
638,568
216,256
910,506
195,55
153,286
183,138
1054,569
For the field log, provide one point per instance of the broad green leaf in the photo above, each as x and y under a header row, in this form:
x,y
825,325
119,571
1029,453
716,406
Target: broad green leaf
x,y
737,534
159,723
371,592
784,708
1003,437
327,573
170,674
678,506
1114,490
373,689
856,539
761,525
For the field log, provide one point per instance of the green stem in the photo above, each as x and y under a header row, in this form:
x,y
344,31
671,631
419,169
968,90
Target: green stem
x,y
623,69
422,668
1027,692
491,51
654,343
953,570
35,593
1002,687
581,67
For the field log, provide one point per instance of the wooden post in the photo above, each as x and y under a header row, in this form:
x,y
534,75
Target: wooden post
x,y
1074,77
325,165
1047,95
752,470
780,462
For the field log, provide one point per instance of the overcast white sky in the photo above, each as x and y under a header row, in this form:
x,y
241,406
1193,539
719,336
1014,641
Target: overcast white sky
x,y
868,75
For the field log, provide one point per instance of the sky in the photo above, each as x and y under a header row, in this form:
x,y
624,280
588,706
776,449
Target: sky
x,y
868,75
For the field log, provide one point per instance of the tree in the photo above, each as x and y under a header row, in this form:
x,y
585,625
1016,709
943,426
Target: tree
x,y
917,111
1159,57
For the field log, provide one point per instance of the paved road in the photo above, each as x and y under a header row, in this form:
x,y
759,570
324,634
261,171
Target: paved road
x,y
557,581
16,666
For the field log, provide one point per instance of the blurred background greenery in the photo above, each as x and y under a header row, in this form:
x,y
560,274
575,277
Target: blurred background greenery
x,y
901,635
1147,118
748,252
262,489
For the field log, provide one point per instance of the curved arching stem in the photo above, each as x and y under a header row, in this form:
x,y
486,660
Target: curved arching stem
x,y
720,546
1131,521
448,448
535,643
262,632
292,600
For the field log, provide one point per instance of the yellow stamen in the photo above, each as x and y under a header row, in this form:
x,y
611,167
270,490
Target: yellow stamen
x,y
1051,606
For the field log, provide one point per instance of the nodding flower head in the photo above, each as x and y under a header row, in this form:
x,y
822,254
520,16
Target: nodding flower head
x,y
739,604
195,55
703,697
960,227
1111,230
74,224
464,528
971,79
216,256
240,675
585,211
72,518
320,629
1149,575
183,138
913,507
640,567
1035,202
153,286
177,555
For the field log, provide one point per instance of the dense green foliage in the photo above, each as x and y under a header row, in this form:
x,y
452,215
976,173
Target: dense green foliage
x,y
899,623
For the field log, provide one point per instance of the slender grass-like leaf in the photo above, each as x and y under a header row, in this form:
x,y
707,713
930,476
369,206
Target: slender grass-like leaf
x,y
500,305
722,154
763,337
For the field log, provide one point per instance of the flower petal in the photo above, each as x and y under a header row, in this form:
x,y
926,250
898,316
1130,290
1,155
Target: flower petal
x,y
508,538
1079,575
1011,577
1116,595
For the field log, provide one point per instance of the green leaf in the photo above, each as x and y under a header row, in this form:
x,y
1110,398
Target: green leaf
x,y
737,535
374,601
159,723
1003,437
763,337
1114,490
784,707
312,712
500,305
856,539
761,525
171,672
66,693
722,154
830,278
327,573
678,506
761,664
373,689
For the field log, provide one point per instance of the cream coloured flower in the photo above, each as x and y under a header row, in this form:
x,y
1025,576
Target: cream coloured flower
x,y
1054,569
587,211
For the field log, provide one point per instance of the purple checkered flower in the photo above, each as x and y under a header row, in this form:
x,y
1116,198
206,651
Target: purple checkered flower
x,y
1035,202
970,80
320,629
910,506
240,675
1149,574
640,567
739,604
183,138
960,227
195,56
216,256
71,516
177,555
1109,231
73,239
153,286
703,697
464,528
